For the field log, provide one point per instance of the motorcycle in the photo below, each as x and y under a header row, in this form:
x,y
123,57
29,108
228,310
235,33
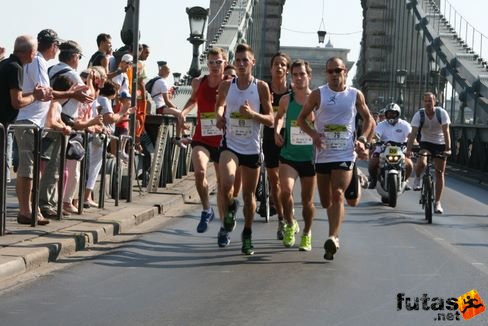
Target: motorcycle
x,y
391,175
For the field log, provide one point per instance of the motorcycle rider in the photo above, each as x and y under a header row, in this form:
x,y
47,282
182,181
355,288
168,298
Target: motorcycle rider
x,y
392,129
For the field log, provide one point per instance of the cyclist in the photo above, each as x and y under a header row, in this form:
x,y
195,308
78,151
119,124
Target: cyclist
x,y
393,129
434,138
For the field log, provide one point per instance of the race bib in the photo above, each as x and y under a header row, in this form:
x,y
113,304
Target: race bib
x,y
298,137
335,137
208,122
240,127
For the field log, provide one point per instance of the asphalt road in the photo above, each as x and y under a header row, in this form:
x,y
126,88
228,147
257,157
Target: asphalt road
x,y
175,276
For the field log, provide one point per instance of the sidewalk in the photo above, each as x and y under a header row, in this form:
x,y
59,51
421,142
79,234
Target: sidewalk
x,y
28,248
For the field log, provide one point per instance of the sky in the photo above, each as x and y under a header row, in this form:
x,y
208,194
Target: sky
x,y
164,24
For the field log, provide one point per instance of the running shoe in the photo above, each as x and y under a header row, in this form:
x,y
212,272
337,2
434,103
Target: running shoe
x,y
289,234
205,218
331,246
223,238
438,208
306,243
281,228
247,247
416,184
230,216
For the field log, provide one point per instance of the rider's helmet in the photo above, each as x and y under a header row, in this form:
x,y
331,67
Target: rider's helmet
x,y
392,113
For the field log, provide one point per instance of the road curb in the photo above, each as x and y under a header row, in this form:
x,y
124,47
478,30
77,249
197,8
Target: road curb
x,y
35,252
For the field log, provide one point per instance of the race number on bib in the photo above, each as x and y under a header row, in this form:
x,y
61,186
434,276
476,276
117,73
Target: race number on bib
x,y
336,137
240,127
298,137
208,122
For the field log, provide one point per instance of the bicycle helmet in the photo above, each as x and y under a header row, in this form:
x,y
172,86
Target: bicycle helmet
x,y
392,118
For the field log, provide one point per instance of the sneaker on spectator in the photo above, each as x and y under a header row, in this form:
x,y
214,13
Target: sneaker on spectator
x,y
306,243
281,228
416,184
289,234
247,247
230,216
223,238
438,208
205,218
331,246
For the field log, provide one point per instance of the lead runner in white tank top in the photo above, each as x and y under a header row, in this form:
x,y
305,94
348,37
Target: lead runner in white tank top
x,y
335,120
242,134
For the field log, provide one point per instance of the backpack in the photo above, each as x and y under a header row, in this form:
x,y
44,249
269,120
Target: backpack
x,y
150,84
422,120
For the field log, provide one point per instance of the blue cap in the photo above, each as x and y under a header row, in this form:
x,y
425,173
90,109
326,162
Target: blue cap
x,y
124,95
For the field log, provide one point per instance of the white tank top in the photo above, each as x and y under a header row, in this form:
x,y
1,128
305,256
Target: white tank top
x,y
241,134
335,120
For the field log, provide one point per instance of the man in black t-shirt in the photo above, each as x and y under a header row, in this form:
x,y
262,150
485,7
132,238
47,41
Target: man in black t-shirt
x,y
11,79
99,58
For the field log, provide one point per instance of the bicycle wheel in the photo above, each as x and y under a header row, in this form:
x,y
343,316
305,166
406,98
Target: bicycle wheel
x,y
264,206
428,198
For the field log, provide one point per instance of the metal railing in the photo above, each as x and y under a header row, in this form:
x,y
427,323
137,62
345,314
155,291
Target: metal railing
x,y
451,21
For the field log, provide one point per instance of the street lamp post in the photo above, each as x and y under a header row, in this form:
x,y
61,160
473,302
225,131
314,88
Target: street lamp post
x,y
434,74
198,19
321,35
401,76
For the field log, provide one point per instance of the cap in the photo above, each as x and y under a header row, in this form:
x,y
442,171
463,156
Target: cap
x,y
127,58
124,95
162,63
48,36
70,47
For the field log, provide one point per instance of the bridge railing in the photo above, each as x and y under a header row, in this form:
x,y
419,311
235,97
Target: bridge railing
x,y
473,40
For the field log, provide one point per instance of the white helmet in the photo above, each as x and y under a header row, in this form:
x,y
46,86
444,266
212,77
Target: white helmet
x,y
393,107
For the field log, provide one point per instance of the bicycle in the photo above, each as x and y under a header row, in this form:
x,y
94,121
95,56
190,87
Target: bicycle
x,y
427,190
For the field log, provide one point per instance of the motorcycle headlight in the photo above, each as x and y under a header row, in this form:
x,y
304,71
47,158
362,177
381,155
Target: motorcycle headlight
x,y
393,158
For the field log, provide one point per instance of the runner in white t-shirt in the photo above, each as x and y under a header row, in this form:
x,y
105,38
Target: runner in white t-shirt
x,y
335,106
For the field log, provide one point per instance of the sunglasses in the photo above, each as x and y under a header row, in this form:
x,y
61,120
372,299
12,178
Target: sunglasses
x,y
336,70
215,62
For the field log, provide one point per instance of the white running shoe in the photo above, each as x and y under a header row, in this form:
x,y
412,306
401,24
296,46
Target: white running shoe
x,y
438,208
416,184
331,246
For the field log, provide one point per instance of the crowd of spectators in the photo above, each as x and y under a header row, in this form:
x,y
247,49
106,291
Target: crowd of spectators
x,y
65,100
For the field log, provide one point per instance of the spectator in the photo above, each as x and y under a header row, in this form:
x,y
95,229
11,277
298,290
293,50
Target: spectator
x,y
103,107
12,97
100,58
35,74
123,101
69,57
78,110
141,92
160,94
